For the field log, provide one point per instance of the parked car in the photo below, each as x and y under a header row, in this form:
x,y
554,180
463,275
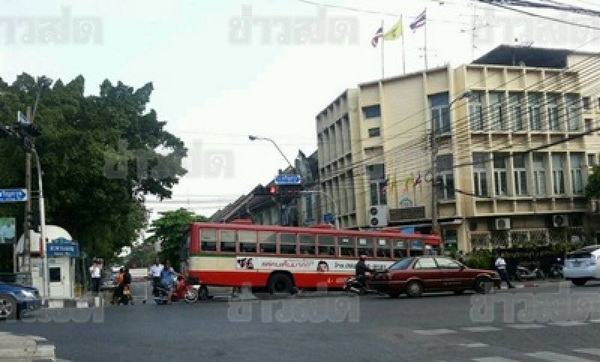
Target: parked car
x,y
417,275
583,265
16,299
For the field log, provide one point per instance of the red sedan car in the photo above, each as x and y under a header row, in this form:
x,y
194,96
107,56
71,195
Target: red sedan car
x,y
416,275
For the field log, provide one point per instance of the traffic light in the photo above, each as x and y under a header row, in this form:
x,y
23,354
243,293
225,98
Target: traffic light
x,y
266,191
289,192
33,220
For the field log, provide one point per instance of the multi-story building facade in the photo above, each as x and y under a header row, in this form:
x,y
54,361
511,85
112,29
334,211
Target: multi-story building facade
x,y
513,149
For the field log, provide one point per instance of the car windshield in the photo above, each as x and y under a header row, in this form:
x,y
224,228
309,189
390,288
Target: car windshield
x,y
401,264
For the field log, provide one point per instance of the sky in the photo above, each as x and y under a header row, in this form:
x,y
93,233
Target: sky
x,y
223,70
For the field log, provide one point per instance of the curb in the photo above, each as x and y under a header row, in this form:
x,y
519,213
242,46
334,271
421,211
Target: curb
x,y
27,348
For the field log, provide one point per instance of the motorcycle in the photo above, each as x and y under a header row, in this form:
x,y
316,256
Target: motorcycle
x,y
188,290
522,273
353,285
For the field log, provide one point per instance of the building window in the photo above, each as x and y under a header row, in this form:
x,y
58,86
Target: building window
x,y
497,108
476,111
308,206
516,111
553,112
586,103
480,174
374,132
445,177
377,184
572,112
500,178
577,173
539,174
535,112
520,172
372,111
558,174
440,113
591,159
588,125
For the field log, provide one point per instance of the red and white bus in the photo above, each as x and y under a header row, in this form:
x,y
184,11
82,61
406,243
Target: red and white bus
x,y
280,259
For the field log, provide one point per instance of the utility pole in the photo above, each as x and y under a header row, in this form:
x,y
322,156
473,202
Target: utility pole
x,y
26,258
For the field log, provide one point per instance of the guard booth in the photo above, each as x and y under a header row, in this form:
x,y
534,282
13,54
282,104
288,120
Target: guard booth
x,y
62,253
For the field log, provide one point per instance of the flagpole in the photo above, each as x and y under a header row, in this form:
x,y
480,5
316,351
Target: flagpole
x,y
382,54
403,49
425,41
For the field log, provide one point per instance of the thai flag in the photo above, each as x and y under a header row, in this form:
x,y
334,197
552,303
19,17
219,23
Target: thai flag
x,y
378,35
419,21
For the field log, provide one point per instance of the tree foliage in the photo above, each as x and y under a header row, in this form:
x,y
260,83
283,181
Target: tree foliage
x,y
101,156
592,190
168,232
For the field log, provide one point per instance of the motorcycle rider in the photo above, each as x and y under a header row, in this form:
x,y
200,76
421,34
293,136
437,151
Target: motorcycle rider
x,y
167,277
362,269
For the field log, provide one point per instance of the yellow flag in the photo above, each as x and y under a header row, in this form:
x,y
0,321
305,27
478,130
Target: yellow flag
x,y
395,32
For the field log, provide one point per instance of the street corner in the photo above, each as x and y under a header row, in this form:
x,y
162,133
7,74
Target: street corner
x,y
16,347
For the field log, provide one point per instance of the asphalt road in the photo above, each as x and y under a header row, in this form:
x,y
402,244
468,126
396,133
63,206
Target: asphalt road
x,y
530,324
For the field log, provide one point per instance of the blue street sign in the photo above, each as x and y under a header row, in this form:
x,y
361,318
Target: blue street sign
x,y
62,247
329,218
13,195
288,180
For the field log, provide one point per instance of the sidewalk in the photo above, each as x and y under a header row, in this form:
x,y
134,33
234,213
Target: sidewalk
x,y
25,348
535,283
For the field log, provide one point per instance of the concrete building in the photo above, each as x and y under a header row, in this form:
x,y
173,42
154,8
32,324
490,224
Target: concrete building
x,y
514,149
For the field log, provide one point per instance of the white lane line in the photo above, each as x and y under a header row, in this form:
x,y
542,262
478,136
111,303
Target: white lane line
x,y
481,329
434,332
474,345
525,326
592,351
557,357
568,324
494,359
594,321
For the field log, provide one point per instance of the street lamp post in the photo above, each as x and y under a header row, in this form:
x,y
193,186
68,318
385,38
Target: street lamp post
x,y
255,138
434,151
46,286
335,206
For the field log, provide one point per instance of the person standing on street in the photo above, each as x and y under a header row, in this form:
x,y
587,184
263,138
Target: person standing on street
x,y
96,274
501,267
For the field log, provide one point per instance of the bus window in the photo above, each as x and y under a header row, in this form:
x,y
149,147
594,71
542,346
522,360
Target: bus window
x,y
307,244
287,243
346,244
227,241
247,241
365,246
383,248
399,249
417,247
326,245
268,242
208,240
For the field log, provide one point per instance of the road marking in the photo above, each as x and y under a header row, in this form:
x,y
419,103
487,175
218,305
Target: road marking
x,y
474,345
434,332
556,357
568,324
525,326
494,359
592,351
595,321
481,329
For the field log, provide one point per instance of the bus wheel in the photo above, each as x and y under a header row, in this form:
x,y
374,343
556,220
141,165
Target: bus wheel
x,y
280,283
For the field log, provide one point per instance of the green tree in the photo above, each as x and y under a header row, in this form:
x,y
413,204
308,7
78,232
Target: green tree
x,y
592,190
168,232
101,157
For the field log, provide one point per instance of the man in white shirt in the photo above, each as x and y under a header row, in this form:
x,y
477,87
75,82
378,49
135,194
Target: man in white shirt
x,y
96,273
155,272
501,267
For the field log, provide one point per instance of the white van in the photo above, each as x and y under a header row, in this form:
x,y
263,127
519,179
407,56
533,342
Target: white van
x,y
583,265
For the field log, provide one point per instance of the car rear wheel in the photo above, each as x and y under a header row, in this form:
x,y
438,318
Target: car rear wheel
x,y
8,307
579,282
414,289
483,285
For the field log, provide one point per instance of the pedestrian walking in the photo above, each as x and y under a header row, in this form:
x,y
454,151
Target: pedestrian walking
x,y
501,267
96,274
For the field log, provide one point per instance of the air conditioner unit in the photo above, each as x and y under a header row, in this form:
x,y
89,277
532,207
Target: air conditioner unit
x,y
559,221
377,216
502,223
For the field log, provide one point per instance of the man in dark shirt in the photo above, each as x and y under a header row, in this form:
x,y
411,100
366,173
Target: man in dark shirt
x,y
362,269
